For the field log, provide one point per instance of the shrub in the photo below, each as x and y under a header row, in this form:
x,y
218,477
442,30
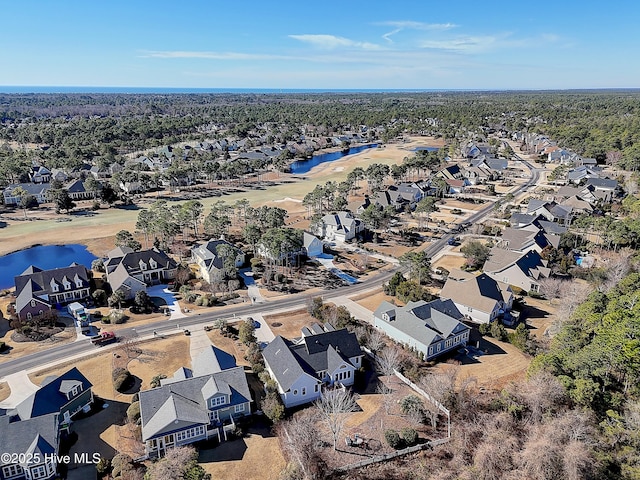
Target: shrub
x,y
410,436
103,466
121,463
133,412
393,439
518,291
135,397
121,379
156,381
117,317
272,406
3,346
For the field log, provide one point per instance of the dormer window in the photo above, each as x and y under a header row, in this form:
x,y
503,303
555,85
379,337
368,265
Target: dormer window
x,y
54,286
152,263
143,266
217,401
33,303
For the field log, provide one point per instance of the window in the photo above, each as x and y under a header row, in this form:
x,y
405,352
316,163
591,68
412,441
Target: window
x,y
239,408
213,416
470,309
316,388
430,350
191,433
12,471
29,316
33,303
217,401
39,472
67,286
295,392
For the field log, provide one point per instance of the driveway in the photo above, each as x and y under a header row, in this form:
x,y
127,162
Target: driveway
x,y
252,288
163,292
21,387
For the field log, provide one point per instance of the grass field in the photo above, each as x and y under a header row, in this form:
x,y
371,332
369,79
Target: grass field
x,y
107,222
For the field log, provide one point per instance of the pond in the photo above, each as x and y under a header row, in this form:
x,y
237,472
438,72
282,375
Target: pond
x,y
45,257
304,166
428,149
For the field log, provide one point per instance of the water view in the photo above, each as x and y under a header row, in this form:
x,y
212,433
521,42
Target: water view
x,y
304,166
45,257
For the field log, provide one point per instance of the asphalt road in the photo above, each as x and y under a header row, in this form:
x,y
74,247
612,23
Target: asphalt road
x,y
292,302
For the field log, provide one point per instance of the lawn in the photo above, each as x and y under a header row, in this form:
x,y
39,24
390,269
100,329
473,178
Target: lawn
x,y
5,391
289,324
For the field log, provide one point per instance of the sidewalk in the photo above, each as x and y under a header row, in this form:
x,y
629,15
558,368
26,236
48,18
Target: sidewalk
x,y
357,310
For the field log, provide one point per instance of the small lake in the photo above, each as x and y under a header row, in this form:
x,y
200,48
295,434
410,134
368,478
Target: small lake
x,y
428,149
303,166
45,257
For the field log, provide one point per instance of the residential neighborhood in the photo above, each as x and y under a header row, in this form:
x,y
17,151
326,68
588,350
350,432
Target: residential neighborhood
x,y
253,316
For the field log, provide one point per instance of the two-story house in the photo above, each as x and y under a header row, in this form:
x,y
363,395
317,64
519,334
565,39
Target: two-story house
x,y
212,264
523,270
480,298
195,404
133,271
340,226
323,356
38,291
32,447
65,396
432,328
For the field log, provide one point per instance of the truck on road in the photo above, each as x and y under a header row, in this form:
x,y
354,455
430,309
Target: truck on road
x,y
81,316
104,338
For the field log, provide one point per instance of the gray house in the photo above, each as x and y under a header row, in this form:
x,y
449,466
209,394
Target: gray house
x,y
195,404
432,328
35,439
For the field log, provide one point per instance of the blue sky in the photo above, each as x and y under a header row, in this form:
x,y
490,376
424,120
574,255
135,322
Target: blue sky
x,y
419,44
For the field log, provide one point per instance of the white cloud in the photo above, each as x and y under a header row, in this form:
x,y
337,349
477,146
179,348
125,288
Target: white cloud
x,y
409,24
331,42
467,44
211,55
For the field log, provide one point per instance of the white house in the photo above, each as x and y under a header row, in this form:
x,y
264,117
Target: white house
x,y
341,226
323,356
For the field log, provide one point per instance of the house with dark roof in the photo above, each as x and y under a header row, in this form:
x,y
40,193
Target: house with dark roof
x,y
480,298
133,271
432,328
323,356
340,226
76,190
37,190
33,443
523,270
524,239
207,257
551,211
38,291
195,404
40,174
65,396
452,172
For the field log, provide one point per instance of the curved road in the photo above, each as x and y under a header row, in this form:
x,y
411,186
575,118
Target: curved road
x,y
293,302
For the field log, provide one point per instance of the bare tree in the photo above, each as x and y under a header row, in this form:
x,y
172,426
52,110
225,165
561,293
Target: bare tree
x,y
375,340
130,346
176,463
300,442
616,264
388,360
551,288
333,406
387,397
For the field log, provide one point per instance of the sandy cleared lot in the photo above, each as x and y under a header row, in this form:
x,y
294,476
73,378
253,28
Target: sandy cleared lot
x,y
505,363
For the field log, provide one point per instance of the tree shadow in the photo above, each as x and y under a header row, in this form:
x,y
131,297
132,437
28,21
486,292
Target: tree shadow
x,y
529,311
233,450
133,386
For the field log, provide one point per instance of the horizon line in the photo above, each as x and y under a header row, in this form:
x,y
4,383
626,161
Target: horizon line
x,y
70,89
